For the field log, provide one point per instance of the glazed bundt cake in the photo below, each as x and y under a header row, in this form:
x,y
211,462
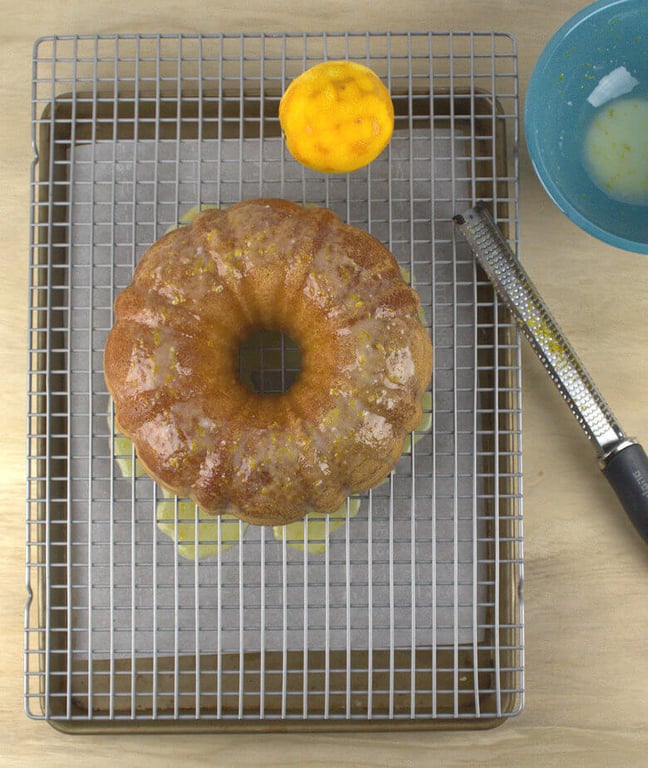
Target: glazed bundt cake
x,y
171,361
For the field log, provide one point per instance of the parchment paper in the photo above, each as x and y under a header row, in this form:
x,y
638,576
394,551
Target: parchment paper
x,y
410,568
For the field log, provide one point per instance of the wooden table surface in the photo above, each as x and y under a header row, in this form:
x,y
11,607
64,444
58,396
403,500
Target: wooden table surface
x,y
586,572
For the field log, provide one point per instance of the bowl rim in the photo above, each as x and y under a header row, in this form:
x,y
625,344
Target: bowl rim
x,y
531,99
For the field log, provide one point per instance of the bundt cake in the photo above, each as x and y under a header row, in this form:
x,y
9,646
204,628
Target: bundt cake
x,y
171,361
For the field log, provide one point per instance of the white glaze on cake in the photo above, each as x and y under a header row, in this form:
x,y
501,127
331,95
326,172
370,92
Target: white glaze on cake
x,y
171,360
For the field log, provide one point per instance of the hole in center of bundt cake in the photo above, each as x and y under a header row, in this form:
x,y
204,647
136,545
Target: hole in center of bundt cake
x,y
269,362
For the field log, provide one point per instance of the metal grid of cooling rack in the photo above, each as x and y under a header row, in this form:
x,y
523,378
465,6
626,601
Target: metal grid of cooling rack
x,y
406,609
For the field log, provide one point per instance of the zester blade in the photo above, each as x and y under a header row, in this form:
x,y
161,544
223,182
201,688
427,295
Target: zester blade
x,y
623,460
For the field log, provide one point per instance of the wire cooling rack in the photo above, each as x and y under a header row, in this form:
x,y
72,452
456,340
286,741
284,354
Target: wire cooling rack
x,y
404,610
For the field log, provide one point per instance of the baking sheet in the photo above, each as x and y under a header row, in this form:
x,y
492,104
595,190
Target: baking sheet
x,y
131,132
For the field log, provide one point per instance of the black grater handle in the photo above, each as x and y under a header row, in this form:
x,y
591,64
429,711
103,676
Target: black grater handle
x,y
627,472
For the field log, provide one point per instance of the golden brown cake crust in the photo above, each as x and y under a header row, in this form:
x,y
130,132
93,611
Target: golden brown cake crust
x,y
170,360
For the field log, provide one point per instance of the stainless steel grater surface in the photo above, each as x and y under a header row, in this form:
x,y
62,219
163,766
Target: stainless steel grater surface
x,y
544,335
409,614
623,461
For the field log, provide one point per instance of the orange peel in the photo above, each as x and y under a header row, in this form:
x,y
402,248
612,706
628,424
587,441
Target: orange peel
x,y
336,116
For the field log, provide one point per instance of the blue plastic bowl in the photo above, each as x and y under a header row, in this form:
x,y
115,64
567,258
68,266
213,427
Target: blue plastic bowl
x,y
601,39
